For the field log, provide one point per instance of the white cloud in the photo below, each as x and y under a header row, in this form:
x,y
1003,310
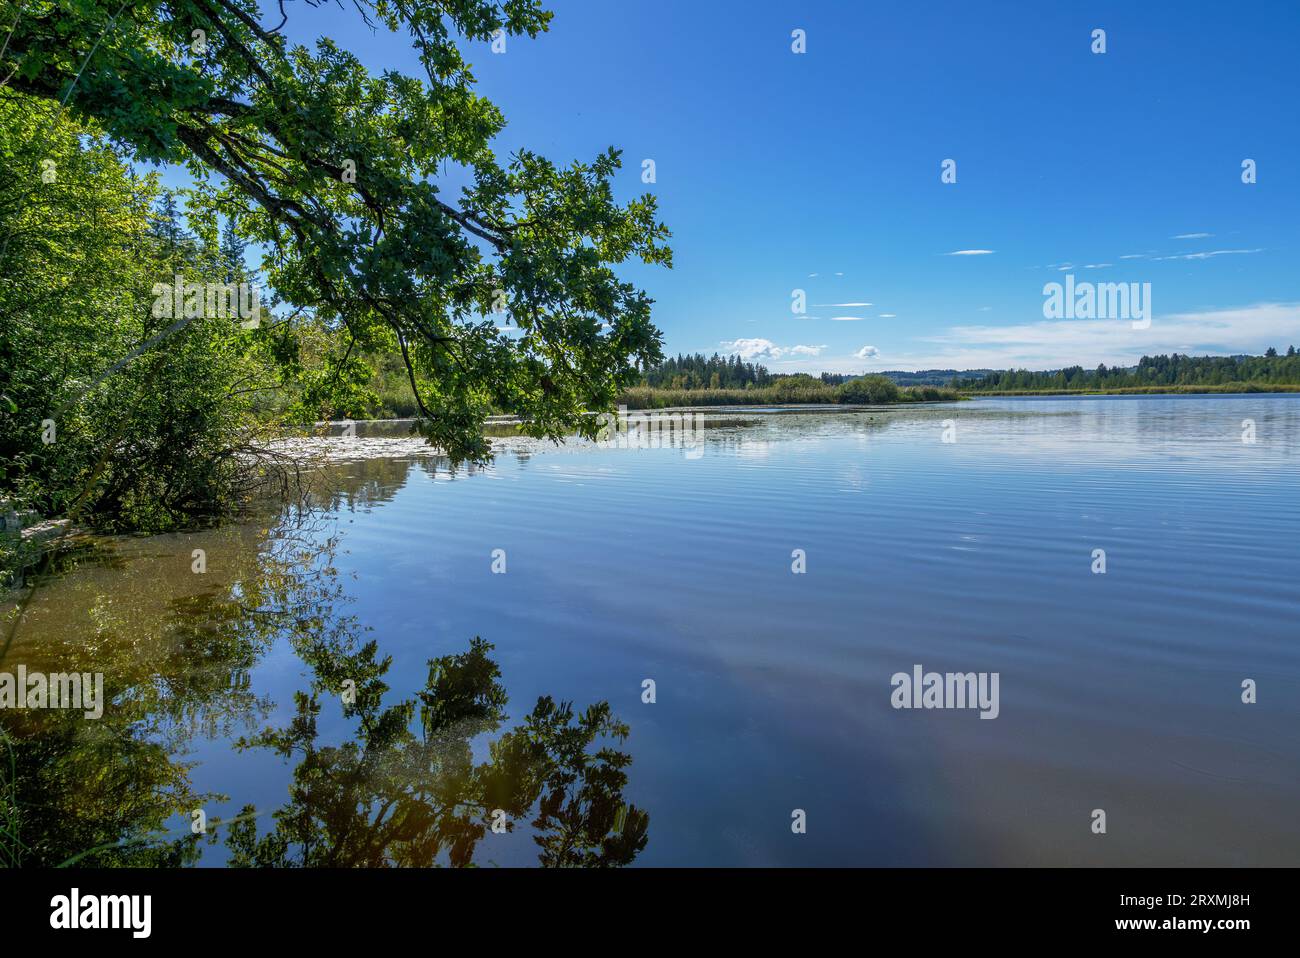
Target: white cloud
x,y
1192,236
840,305
970,252
751,349
888,315
867,352
845,319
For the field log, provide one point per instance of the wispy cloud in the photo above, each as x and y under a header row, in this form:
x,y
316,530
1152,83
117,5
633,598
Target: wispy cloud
x,y
1217,252
970,252
888,315
1053,344
845,319
1192,236
839,305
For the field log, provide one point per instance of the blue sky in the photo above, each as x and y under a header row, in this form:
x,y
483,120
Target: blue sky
x,y
820,171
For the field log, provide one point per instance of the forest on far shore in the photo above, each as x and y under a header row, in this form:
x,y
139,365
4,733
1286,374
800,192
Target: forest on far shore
x,y
1223,373
699,375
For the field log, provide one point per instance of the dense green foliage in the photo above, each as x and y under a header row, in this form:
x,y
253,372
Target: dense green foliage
x,y
336,172
381,296
107,410
1153,371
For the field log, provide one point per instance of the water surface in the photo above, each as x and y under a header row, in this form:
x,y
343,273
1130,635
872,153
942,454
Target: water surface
x,y
1118,691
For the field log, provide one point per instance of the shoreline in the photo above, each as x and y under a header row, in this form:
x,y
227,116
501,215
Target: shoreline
x,y
1230,389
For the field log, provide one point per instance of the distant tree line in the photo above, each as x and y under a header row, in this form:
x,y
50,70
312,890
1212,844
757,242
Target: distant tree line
x,y
1173,370
714,372
921,377
696,371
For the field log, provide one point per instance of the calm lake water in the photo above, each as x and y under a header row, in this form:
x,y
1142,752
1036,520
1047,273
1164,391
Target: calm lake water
x,y
1119,691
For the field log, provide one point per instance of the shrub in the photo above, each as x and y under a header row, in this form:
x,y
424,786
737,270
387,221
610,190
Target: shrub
x,y
868,389
800,388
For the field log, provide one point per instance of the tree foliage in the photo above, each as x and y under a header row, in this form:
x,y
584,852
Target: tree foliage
x,y
696,372
109,410
336,173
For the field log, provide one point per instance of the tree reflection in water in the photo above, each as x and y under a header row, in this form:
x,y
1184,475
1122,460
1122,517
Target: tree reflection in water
x,y
403,790
406,790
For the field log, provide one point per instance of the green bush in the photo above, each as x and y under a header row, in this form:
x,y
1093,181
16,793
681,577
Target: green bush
x,y
112,410
928,394
868,389
800,388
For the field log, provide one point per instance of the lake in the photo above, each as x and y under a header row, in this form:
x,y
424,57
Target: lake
x,y
954,538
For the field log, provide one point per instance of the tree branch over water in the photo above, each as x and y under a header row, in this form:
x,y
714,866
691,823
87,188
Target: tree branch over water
x,y
338,171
